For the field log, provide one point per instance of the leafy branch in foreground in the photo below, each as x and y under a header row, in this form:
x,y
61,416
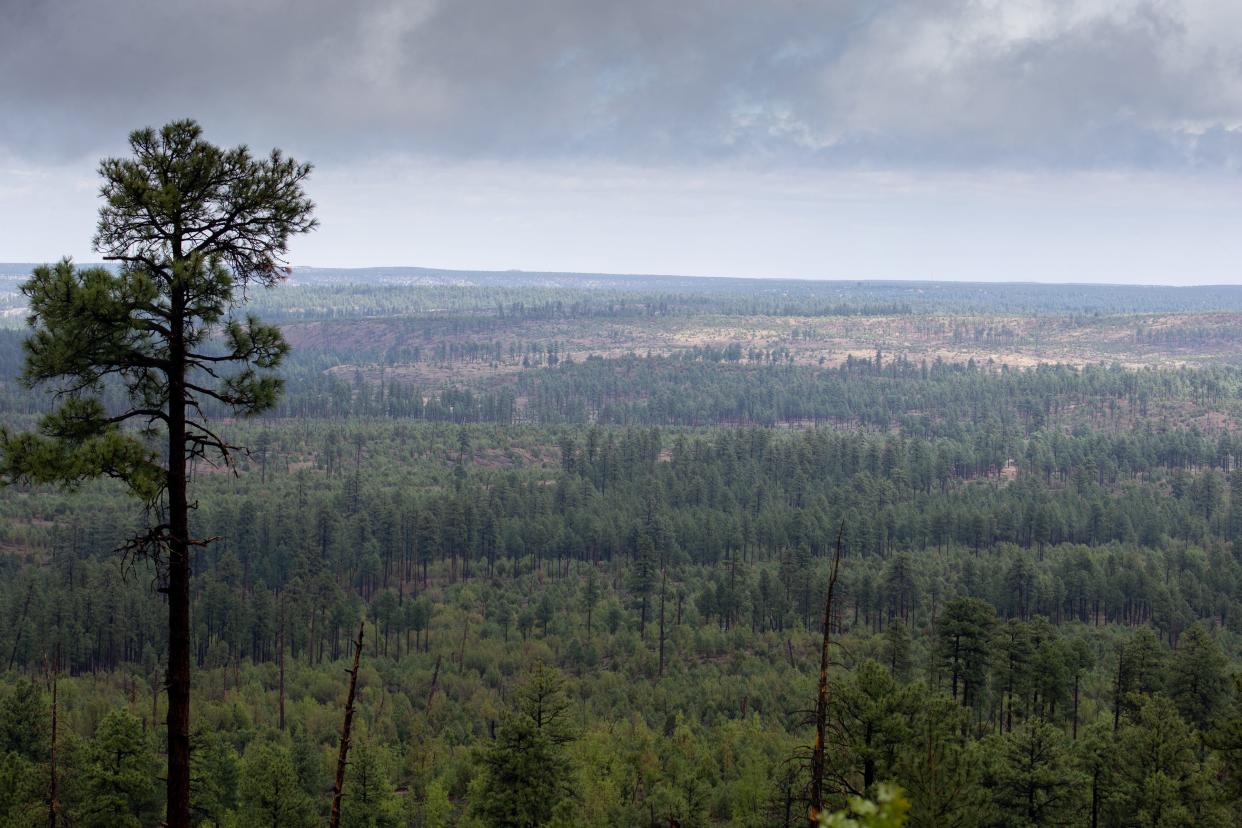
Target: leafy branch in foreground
x,y
887,810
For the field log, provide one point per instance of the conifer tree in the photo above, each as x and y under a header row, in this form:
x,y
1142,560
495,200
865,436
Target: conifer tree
x,y
192,226
1198,678
526,769
1034,781
870,722
367,800
214,779
897,649
964,641
118,776
270,792
1158,779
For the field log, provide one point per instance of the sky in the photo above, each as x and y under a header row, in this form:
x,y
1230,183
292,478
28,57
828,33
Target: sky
x,y
1046,140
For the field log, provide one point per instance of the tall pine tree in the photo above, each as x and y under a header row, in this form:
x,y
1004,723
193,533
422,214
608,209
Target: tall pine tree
x,y
192,226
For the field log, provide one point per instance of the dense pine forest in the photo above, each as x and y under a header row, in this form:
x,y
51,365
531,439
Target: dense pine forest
x,y
592,580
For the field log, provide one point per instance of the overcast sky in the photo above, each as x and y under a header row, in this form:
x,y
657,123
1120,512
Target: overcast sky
x,y
1053,140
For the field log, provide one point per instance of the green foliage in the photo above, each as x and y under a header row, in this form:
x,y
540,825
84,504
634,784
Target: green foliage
x,y
270,793
941,771
526,770
178,180
964,639
1033,780
22,787
367,800
897,644
1198,678
25,721
119,775
215,774
872,718
76,443
1158,779
436,809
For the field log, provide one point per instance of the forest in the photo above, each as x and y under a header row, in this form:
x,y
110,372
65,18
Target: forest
x,y
593,592
430,549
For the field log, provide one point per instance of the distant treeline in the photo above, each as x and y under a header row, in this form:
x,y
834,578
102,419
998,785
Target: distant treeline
x,y
964,297
433,303
317,293
705,386
1187,336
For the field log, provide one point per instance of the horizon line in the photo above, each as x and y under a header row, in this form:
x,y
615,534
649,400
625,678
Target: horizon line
x,y
731,277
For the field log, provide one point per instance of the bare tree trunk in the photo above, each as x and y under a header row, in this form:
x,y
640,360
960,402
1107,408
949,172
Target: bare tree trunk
x,y
335,819
821,701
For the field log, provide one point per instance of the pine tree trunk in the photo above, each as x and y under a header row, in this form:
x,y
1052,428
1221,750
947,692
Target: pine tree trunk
x,y
178,815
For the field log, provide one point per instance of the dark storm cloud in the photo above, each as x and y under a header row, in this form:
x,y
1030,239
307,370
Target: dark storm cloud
x,y
1040,83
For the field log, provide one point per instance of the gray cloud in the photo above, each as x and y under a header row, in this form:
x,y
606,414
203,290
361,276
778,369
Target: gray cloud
x,y
1059,84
